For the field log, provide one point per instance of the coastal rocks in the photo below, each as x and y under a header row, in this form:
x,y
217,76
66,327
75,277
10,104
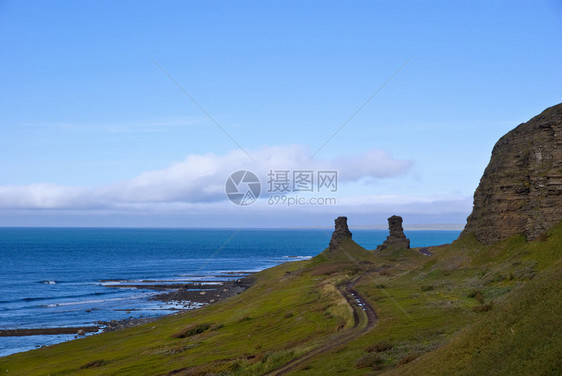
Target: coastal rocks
x,y
341,232
217,292
521,189
48,331
396,239
113,325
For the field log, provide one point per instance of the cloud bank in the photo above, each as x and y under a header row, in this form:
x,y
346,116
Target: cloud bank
x,y
196,182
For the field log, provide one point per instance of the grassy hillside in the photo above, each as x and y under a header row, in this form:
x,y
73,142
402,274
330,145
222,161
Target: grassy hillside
x,y
468,310
522,336
455,303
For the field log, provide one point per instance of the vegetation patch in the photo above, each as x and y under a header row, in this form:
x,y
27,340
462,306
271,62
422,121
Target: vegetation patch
x,y
478,295
407,359
192,330
370,360
94,364
379,347
177,350
483,307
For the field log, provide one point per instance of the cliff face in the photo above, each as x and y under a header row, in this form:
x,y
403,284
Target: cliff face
x,y
521,189
341,231
396,239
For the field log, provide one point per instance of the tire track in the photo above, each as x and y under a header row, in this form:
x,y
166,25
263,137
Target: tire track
x,y
358,304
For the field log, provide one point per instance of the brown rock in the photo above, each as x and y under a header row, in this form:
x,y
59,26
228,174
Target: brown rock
x,y
396,239
521,189
341,232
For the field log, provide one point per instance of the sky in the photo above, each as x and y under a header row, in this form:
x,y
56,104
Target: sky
x,y
135,113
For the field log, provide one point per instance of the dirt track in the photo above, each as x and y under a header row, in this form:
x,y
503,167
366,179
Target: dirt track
x,y
359,306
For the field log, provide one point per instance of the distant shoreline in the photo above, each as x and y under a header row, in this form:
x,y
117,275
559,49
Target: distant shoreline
x,y
407,227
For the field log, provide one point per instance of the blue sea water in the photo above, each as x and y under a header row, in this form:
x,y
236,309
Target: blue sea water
x,y
53,277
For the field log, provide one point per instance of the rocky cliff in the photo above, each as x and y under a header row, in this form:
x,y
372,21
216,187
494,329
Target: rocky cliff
x,y
521,189
396,239
341,231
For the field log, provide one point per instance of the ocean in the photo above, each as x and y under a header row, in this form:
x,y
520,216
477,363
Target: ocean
x,y
52,277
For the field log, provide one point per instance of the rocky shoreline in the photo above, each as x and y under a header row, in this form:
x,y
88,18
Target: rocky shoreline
x,y
186,296
205,293
78,330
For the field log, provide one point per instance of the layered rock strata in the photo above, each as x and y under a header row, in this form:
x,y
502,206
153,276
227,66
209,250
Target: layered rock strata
x,y
341,232
396,239
521,189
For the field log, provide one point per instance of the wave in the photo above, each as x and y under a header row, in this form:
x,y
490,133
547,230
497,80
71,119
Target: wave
x,y
239,272
116,282
68,282
197,275
34,299
64,304
298,257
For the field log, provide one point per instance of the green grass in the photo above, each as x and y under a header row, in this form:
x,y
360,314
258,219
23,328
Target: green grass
x,y
521,337
468,310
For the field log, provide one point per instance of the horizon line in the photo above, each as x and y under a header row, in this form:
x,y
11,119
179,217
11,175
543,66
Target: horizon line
x,y
412,227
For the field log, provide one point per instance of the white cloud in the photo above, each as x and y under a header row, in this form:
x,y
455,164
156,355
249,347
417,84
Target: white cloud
x,y
422,204
198,179
43,196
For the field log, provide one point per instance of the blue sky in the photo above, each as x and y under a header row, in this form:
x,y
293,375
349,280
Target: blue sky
x,y
93,133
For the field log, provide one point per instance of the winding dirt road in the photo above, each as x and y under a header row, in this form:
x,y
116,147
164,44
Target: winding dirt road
x,y
360,306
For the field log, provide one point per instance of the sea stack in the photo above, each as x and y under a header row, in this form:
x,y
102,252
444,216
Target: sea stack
x,y
341,232
520,192
396,239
